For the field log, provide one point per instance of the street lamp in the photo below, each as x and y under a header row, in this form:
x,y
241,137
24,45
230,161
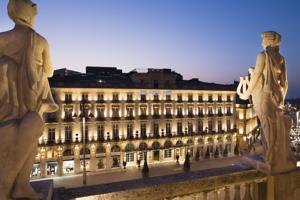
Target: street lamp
x,y
82,105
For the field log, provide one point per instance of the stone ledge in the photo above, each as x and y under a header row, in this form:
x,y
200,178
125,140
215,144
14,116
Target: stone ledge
x,y
44,187
165,186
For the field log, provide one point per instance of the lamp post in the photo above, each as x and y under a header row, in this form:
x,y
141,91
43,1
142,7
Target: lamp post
x,y
82,104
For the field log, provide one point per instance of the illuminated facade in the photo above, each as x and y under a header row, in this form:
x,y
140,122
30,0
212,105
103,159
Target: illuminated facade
x,y
247,123
127,114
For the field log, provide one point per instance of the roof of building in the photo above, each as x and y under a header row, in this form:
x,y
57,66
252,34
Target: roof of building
x,y
111,77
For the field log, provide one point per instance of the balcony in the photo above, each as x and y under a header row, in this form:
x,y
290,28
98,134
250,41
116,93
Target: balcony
x,y
179,115
230,182
115,118
68,119
131,117
155,116
143,117
168,116
100,118
190,115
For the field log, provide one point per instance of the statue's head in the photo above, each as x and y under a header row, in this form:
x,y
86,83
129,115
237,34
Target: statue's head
x,y
270,39
22,12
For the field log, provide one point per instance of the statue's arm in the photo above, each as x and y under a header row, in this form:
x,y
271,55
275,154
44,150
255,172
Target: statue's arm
x,y
47,60
257,73
283,79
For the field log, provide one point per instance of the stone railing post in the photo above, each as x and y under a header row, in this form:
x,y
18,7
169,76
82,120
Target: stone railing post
x,y
247,195
237,192
205,195
216,195
227,193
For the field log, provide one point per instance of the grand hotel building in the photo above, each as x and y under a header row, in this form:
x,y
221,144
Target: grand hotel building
x,y
127,114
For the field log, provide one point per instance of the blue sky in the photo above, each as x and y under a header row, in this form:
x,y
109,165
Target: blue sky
x,y
215,40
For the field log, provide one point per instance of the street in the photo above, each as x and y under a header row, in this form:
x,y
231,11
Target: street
x,y
132,173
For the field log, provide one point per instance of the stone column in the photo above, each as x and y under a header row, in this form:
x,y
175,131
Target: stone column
x,y
59,166
77,167
43,167
108,155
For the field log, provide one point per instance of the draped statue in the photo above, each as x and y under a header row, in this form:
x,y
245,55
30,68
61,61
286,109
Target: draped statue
x,y
25,95
267,84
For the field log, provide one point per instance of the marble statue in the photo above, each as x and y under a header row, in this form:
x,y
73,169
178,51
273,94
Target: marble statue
x,y
25,95
267,84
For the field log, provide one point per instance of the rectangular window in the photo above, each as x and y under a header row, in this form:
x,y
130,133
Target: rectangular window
x,y
51,134
228,124
115,131
143,97
190,127
100,132
156,129
200,98
168,153
143,110
219,98
168,128
210,125
210,111
85,97
219,125
200,111
200,126
168,97
156,97
68,97
179,97
129,111
143,130
100,97
115,97
168,110
129,97
219,110
190,97
68,134
129,131
179,127
228,98
100,112
179,111
210,98
115,112
155,110
190,111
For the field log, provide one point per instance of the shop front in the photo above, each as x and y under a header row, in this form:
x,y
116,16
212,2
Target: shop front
x,y
36,170
51,168
68,167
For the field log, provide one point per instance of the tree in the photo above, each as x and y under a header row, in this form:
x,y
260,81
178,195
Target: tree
x,y
197,155
225,153
237,149
145,170
217,153
187,164
207,154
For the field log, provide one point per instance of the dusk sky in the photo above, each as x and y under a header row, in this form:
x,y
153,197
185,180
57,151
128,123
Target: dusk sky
x,y
215,41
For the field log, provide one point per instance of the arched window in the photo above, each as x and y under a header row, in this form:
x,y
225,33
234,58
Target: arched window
x,y
100,149
143,146
87,151
179,143
155,145
168,144
190,142
115,148
129,147
68,152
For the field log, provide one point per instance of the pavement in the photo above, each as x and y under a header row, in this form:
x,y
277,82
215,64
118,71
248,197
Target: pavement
x,y
133,173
